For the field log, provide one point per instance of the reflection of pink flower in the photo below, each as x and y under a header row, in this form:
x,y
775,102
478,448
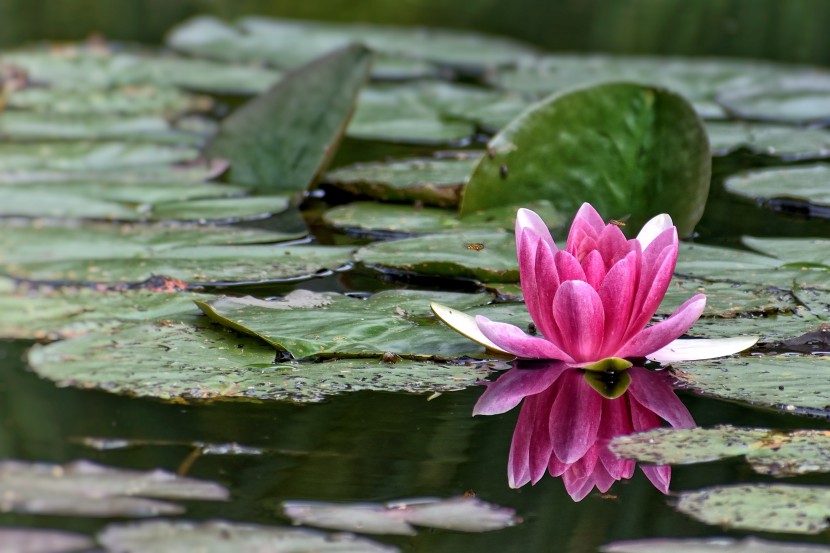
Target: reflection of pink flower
x,y
564,424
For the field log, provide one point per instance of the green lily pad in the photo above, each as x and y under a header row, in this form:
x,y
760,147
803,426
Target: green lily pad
x,y
332,325
710,545
780,141
89,156
769,452
78,66
87,489
486,256
614,145
30,540
32,125
192,172
284,139
796,252
432,181
726,299
795,101
180,360
764,507
125,100
465,514
790,382
804,185
221,209
228,537
771,328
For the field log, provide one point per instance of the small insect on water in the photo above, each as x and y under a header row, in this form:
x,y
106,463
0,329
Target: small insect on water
x,y
477,246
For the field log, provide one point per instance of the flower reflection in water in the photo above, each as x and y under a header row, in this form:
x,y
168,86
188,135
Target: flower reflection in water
x,y
565,425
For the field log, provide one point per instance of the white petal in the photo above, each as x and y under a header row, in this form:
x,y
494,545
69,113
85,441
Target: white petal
x,y
527,219
465,325
695,350
653,229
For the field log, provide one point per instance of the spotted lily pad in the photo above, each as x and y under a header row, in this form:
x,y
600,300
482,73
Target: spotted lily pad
x,y
724,299
710,545
228,537
29,540
432,181
179,360
580,146
87,489
764,507
780,141
333,325
768,451
801,185
466,514
89,156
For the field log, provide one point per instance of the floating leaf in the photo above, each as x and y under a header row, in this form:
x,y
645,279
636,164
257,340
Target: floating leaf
x,y
193,172
796,252
229,537
728,299
791,382
709,545
768,451
433,181
614,145
802,185
87,489
89,156
29,540
221,209
764,507
284,139
333,325
485,256
466,514
790,100
789,143
180,360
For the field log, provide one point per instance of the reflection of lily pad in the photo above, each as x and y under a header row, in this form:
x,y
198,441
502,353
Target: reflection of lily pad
x,y
228,537
764,507
790,143
179,360
791,382
89,156
433,181
466,514
710,545
29,540
328,324
86,489
768,451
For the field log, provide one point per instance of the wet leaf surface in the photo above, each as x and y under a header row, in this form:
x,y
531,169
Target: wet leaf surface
x,y
780,141
798,101
760,507
27,540
707,545
89,156
794,185
465,514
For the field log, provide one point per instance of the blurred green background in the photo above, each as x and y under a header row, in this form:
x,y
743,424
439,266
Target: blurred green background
x,y
791,30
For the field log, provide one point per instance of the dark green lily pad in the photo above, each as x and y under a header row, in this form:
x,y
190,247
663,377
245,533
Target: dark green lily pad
x,y
79,66
768,451
30,540
486,256
465,514
614,145
796,101
89,156
333,325
764,507
790,382
87,489
804,184
229,537
780,141
179,360
432,181
710,545
284,139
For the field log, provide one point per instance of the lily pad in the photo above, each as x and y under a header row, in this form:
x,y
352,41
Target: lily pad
x,y
764,507
465,514
768,451
191,172
779,141
708,545
486,256
284,139
89,156
790,382
771,328
797,101
229,537
432,181
221,209
28,540
796,252
614,145
803,185
724,299
180,360
87,489
333,325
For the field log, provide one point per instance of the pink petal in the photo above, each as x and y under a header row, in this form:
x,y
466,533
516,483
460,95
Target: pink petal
x,y
616,421
653,228
655,276
612,244
594,268
508,391
527,243
580,316
567,267
603,480
574,418
527,219
585,230
540,450
513,339
661,334
659,475
548,276
578,479
697,349
518,466
653,392
617,295
578,490
589,216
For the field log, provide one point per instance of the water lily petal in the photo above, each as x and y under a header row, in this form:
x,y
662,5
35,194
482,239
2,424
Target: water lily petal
x,y
653,228
659,475
540,449
527,243
527,219
580,316
464,324
612,244
518,466
655,276
516,384
661,334
617,295
574,418
568,267
513,339
653,392
579,478
585,231
542,314
594,268
703,348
